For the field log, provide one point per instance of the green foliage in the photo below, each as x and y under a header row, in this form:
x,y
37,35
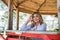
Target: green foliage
x,y
1,31
56,29
5,16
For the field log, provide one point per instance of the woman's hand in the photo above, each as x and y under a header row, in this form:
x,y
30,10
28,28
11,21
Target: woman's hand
x,y
29,19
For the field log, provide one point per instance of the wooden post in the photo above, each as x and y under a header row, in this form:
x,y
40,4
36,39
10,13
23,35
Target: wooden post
x,y
17,18
10,21
58,6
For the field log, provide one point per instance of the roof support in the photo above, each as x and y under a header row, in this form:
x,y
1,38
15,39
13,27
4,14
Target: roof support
x,y
17,18
58,5
10,21
39,4
20,3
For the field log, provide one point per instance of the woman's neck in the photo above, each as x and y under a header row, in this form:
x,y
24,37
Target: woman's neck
x,y
37,23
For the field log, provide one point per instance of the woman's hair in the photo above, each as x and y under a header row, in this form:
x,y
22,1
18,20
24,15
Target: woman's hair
x,y
41,20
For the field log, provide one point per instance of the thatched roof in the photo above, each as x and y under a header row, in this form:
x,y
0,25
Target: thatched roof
x,y
29,6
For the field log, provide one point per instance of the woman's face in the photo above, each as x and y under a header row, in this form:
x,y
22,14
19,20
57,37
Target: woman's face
x,y
36,18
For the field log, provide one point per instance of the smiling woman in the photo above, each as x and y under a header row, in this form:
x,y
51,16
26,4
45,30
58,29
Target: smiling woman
x,y
37,23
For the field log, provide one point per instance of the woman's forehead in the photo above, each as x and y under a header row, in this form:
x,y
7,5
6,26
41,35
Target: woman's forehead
x,y
36,15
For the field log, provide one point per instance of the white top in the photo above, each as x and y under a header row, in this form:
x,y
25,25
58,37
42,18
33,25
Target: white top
x,y
39,27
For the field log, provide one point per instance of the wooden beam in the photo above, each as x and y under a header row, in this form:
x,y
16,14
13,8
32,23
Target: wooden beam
x,y
10,21
20,3
43,12
40,5
5,1
17,18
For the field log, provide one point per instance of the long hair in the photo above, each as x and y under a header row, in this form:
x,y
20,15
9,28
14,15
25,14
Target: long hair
x,y
41,20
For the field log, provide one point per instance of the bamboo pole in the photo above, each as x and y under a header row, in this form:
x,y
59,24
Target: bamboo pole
x,y
17,18
10,11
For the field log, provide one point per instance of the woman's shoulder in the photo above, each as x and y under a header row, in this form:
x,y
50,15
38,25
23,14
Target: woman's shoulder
x,y
42,27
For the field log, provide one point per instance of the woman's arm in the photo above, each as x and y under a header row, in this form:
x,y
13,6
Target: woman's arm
x,y
25,27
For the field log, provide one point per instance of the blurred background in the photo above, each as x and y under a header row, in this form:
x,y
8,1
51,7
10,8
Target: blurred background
x,y
50,20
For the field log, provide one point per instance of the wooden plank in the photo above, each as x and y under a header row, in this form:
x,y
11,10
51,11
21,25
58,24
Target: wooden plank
x,y
33,32
49,5
30,4
43,12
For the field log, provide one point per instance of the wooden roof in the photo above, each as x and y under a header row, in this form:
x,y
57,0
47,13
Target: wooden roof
x,y
30,6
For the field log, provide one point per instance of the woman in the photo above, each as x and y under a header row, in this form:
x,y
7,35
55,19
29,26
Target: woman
x,y
37,23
